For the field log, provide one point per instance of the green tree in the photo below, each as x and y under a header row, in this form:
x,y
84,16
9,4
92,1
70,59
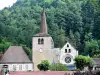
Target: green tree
x,y
90,46
44,65
74,20
81,61
4,45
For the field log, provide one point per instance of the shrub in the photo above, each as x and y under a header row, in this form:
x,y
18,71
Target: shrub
x,y
58,67
44,65
81,61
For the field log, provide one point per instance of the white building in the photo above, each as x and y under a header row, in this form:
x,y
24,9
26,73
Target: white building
x,y
68,54
16,59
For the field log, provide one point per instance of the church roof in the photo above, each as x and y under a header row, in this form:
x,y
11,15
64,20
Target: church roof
x,y
41,35
15,54
43,27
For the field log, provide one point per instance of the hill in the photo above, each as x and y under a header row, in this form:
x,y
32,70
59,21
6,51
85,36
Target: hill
x,y
77,21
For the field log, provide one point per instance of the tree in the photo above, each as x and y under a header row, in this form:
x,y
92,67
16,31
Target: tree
x,y
90,46
81,61
4,44
44,65
28,51
77,20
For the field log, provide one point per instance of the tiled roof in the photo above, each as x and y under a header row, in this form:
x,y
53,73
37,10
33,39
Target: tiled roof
x,y
96,61
15,54
41,35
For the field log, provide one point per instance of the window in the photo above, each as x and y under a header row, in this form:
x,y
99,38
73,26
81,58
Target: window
x,y
26,67
39,41
65,50
42,41
67,45
20,67
69,50
14,67
67,59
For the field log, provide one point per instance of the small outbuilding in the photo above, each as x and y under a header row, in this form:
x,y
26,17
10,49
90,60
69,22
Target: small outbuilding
x,y
16,59
96,63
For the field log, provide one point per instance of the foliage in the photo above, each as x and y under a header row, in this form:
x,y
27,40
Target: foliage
x,y
44,65
4,44
58,67
81,61
90,47
96,53
28,51
77,21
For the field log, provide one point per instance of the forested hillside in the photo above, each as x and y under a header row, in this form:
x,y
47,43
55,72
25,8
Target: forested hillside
x,y
76,21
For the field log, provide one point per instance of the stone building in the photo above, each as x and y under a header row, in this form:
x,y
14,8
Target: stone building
x,y
43,48
42,44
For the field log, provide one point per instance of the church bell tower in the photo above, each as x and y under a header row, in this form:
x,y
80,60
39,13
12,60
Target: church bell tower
x,y
42,44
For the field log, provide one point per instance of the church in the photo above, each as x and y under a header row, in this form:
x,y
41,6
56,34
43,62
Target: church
x,y
43,48
16,59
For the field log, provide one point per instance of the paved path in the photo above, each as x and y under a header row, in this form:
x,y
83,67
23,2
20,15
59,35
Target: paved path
x,y
42,73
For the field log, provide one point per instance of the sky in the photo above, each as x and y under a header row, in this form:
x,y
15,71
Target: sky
x,y
6,3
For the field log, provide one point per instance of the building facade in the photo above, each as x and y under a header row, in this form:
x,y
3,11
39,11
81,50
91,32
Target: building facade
x,y
16,59
42,44
43,48
67,55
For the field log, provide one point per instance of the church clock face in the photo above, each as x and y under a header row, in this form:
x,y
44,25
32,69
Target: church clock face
x,y
68,59
40,50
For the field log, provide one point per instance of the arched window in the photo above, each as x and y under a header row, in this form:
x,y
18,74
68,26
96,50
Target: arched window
x,y
65,50
39,42
42,41
69,50
67,45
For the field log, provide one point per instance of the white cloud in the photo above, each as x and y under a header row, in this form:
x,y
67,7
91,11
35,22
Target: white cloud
x,y
6,3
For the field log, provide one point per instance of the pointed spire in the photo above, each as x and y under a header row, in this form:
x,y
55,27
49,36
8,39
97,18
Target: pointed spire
x,y
43,27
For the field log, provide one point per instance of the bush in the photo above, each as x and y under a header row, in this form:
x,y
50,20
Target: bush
x,y
44,65
58,67
81,61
